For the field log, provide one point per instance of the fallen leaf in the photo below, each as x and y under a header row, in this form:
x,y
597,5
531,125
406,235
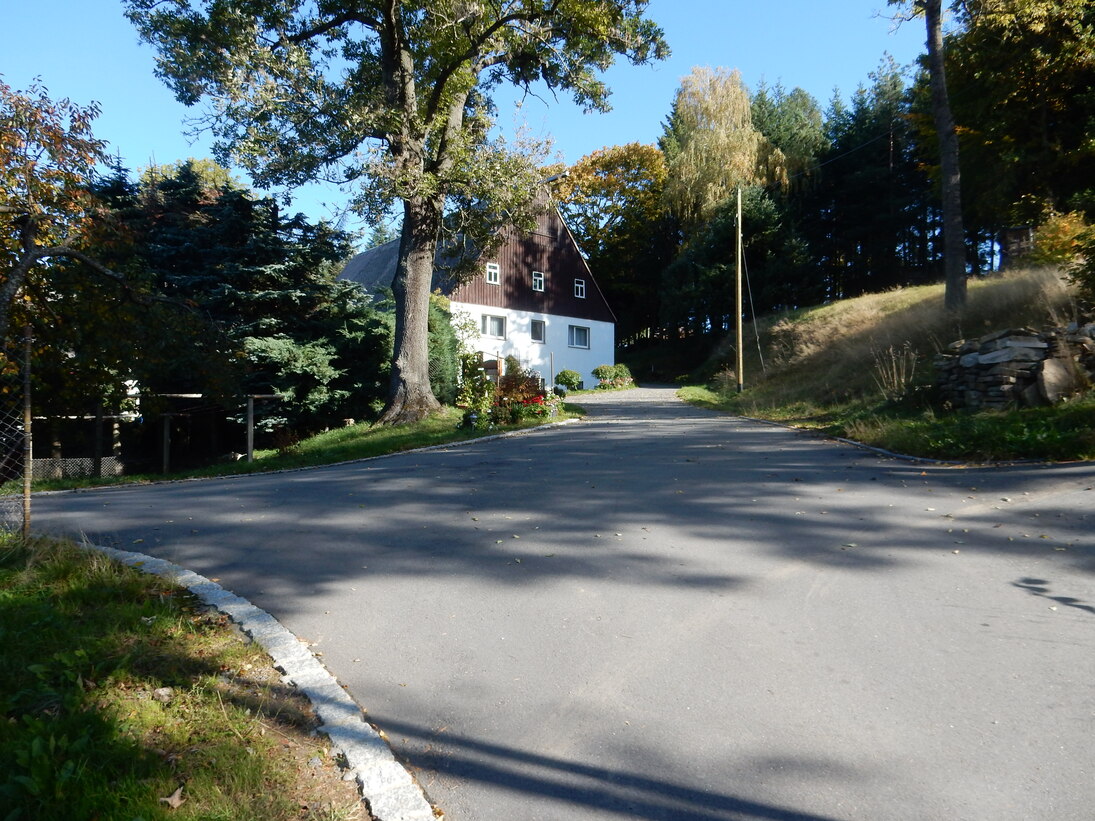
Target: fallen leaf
x,y
175,800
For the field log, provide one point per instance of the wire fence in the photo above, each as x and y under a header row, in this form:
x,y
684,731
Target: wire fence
x,y
12,443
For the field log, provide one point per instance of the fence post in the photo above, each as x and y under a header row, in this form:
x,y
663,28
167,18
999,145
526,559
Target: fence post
x,y
28,448
250,429
166,442
97,440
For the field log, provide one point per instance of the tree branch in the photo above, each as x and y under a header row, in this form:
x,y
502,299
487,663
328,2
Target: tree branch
x,y
475,46
329,25
17,277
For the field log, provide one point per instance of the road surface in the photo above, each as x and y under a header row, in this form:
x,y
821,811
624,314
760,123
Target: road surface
x,y
665,613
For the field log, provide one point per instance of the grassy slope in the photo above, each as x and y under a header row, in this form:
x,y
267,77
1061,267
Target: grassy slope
x,y
116,690
824,367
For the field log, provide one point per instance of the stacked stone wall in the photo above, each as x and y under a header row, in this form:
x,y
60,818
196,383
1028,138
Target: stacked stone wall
x,y
1017,367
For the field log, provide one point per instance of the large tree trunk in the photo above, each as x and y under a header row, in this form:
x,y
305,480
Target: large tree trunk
x,y
410,397
954,245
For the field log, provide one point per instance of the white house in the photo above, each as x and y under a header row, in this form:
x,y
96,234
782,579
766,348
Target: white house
x,y
534,299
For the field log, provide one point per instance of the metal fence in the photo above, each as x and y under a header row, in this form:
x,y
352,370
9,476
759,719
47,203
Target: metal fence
x,y
13,439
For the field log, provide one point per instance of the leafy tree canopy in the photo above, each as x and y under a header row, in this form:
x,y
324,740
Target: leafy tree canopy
x,y
713,147
612,200
394,97
48,156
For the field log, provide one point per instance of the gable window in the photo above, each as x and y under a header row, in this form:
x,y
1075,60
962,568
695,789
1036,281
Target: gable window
x,y
578,336
580,289
537,280
539,330
494,273
494,326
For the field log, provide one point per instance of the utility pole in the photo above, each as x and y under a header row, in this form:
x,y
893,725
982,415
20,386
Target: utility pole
x,y
740,366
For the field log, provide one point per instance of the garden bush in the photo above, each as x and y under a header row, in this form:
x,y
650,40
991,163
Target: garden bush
x,y
568,379
613,377
477,392
520,395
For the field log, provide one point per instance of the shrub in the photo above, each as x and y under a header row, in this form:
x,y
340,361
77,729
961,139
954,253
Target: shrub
x,y
1058,239
444,352
476,392
613,376
568,379
605,373
1082,272
519,395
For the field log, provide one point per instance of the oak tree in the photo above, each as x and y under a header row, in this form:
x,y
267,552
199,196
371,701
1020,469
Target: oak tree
x,y
395,96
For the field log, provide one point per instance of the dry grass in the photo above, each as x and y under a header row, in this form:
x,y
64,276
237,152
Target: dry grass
x,y
830,354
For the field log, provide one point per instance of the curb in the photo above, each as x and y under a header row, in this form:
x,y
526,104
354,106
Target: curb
x,y
386,786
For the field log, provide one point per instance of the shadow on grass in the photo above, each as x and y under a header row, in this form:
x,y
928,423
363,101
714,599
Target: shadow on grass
x,y
87,728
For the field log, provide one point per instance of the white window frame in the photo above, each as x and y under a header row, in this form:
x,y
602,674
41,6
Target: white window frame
x,y
493,275
580,288
573,334
543,330
538,280
485,326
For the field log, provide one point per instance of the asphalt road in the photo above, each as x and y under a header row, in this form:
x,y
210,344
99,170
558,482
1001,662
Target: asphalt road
x,y
663,613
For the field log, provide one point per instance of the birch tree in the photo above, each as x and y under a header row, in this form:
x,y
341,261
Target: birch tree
x,y
712,147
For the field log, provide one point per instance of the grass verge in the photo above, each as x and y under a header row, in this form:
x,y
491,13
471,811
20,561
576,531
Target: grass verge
x,y
121,697
861,369
1062,433
360,441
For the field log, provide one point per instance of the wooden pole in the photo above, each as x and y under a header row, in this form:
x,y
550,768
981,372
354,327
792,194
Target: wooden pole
x,y
97,439
28,444
166,442
250,429
740,368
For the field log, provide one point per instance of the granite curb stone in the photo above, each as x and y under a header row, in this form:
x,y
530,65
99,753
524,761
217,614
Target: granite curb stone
x,y
385,784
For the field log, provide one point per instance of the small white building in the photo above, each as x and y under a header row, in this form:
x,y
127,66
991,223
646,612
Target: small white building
x,y
534,299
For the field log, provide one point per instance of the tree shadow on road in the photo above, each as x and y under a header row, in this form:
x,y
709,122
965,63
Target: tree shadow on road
x,y
542,778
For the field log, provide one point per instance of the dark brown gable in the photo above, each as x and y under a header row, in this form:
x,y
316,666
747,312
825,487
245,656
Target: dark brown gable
x,y
549,249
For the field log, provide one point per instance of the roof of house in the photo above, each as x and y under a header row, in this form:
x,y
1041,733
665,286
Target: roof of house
x,y
549,247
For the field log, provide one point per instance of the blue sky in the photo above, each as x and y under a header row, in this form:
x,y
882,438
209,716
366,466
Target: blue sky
x,y
86,50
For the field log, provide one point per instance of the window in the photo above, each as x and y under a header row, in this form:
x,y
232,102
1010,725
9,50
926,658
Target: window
x,y
537,280
494,273
494,326
539,330
578,336
580,289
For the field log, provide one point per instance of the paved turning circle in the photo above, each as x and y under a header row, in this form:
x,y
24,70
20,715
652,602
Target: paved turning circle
x,y
664,613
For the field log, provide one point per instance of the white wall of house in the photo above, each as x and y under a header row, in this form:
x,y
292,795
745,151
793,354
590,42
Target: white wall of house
x,y
558,340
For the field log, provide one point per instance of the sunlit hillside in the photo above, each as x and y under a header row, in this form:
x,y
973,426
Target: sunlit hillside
x,y
835,353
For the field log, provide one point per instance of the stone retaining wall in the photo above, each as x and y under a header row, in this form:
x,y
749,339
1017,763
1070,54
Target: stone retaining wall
x,y
1017,367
